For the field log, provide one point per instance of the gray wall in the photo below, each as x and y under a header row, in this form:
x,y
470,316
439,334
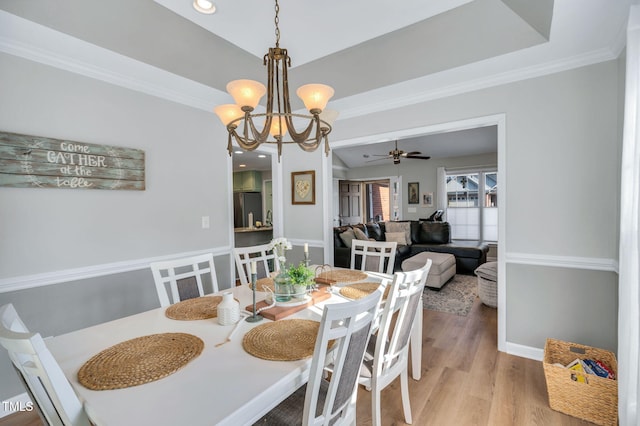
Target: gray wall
x,y
562,303
562,151
562,167
51,229
47,230
302,222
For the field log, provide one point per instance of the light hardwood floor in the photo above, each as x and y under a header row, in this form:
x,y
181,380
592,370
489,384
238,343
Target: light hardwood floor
x,y
465,381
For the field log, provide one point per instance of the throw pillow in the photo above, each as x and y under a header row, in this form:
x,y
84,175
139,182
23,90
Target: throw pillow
x,y
360,235
347,237
404,227
398,237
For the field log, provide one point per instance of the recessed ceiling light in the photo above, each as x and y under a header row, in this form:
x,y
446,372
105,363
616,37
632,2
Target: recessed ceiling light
x,y
262,156
204,6
242,165
238,152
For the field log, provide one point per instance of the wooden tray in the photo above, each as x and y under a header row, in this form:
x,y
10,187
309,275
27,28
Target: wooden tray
x,y
279,312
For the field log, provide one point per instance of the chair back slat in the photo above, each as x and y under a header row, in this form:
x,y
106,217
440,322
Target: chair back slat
x,y
42,376
398,316
389,357
348,325
183,277
374,256
264,257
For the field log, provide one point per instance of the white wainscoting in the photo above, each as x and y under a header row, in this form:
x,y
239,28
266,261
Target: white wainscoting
x,y
56,277
586,263
589,263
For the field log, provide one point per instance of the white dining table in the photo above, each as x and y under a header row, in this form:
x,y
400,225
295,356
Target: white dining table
x,y
224,385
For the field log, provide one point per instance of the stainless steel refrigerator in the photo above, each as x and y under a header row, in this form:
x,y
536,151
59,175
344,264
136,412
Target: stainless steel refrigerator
x,y
243,204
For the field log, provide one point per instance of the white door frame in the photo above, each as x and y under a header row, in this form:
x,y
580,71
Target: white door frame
x,y
498,120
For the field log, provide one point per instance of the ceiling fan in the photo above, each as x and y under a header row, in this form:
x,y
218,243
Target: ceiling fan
x,y
396,154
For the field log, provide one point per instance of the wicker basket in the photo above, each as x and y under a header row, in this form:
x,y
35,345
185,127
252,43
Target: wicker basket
x,y
595,400
488,292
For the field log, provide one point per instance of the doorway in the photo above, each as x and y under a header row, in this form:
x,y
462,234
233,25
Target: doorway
x,y
252,198
364,201
498,120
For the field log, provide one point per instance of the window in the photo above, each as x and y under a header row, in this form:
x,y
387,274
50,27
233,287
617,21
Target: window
x,y
472,201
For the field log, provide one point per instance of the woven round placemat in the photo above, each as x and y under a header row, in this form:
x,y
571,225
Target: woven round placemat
x,y
284,340
263,283
140,360
194,309
358,290
343,275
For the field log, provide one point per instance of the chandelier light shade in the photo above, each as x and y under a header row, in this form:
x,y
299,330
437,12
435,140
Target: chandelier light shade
x,y
278,124
246,93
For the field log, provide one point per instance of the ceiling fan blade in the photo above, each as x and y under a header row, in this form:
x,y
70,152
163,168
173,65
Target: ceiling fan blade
x,y
411,154
419,157
378,159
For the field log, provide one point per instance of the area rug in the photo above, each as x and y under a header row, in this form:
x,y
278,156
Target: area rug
x,y
456,297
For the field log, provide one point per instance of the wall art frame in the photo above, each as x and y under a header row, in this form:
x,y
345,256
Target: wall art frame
x,y
413,189
303,187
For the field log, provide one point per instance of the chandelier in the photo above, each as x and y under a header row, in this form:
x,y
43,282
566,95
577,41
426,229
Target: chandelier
x,y
278,121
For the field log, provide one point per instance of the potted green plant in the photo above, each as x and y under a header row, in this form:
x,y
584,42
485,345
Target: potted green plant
x,y
300,277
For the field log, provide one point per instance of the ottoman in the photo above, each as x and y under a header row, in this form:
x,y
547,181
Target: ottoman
x,y
443,267
487,274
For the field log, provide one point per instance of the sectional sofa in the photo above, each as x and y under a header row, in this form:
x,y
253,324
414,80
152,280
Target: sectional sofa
x,y
418,236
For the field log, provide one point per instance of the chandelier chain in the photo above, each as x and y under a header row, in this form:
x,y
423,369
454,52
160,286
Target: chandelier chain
x,y
277,21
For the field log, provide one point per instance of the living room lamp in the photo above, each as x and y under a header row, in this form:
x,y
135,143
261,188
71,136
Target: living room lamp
x,y
278,120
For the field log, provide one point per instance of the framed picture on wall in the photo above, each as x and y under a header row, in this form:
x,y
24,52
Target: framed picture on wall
x,y
303,187
427,199
414,191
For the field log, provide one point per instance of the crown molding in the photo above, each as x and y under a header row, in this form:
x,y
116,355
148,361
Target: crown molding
x,y
35,42
387,98
29,40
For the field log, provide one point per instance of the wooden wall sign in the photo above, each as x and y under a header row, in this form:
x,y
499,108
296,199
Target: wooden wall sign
x,y
36,162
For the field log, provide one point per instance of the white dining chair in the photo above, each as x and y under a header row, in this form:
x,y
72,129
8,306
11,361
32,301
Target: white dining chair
x,y
182,279
374,256
323,402
43,378
264,257
388,352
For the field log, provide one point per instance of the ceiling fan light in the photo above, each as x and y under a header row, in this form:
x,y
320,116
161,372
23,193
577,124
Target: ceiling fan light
x,y
315,96
228,112
246,93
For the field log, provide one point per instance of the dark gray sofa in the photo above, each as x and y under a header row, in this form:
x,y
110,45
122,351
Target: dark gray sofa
x,y
425,236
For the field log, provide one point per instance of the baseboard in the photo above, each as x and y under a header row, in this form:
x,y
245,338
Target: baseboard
x,y
12,405
529,352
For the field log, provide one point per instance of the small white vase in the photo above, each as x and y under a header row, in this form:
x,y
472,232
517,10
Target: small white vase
x,y
228,310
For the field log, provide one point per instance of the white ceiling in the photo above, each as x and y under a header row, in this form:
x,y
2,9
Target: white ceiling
x,y
251,160
378,56
481,140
